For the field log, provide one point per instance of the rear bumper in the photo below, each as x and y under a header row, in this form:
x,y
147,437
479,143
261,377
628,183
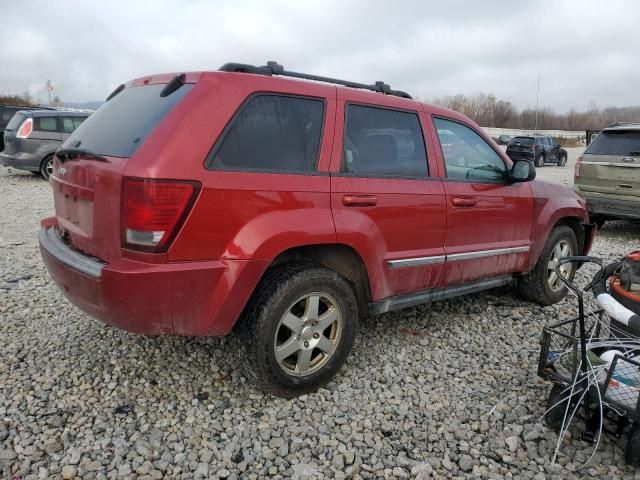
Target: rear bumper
x,y
21,161
201,298
624,209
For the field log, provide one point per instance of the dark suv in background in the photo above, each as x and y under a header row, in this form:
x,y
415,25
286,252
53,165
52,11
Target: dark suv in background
x,y
539,149
7,112
32,137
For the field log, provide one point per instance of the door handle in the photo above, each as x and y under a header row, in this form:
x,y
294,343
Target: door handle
x,y
359,200
464,202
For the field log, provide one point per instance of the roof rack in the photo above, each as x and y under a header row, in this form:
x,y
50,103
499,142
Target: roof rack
x,y
273,68
620,124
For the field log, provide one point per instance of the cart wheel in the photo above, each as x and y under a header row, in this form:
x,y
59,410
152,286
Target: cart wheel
x,y
556,407
632,452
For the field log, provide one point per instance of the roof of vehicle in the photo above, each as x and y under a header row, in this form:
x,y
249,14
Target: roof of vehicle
x,y
49,113
622,126
24,107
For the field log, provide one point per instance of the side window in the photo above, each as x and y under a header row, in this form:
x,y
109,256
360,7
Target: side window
x,y
67,125
271,132
466,154
77,121
46,124
378,141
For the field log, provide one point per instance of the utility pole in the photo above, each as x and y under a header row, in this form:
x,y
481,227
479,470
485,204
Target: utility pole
x,y
535,128
48,87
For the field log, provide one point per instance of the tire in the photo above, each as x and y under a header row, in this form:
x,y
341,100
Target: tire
x,y
557,407
563,160
599,221
539,285
46,167
284,315
632,450
539,161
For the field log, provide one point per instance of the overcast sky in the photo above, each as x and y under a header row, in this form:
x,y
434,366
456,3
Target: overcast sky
x,y
584,51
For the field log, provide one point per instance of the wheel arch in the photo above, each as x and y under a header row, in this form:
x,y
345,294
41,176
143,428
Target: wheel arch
x,y
341,258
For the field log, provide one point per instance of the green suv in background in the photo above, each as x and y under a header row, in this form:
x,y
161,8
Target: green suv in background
x,y
608,174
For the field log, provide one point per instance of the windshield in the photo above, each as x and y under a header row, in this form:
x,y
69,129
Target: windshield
x,y
121,125
615,142
523,140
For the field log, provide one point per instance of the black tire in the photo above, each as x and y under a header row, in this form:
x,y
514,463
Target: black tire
x,y
599,220
539,161
557,407
535,285
260,327
563,160
46,166
632,450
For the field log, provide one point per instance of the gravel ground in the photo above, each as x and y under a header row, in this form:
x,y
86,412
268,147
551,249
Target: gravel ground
x,y
444,390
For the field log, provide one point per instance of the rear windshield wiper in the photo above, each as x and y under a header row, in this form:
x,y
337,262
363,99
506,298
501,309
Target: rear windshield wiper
x,y
68,153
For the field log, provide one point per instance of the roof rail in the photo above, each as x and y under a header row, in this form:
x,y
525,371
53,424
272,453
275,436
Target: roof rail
x,y
273,68
619,124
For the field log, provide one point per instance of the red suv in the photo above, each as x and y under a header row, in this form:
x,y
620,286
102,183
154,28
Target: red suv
x,y
246,199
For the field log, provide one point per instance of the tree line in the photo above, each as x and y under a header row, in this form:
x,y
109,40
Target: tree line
x,y
488,111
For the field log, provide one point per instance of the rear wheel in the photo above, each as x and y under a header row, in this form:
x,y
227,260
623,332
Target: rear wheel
x,y
539,160
298,329
46,167
563,160
543,285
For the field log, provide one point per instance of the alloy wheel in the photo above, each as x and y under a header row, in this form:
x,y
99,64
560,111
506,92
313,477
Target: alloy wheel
x,y
308,334
561,249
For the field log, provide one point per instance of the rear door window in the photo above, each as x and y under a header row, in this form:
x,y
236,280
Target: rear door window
x,y
69,124
271,133
617,143
379,141
46,124
122,124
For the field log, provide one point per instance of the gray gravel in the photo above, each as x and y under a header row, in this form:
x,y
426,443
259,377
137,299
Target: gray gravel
x,y
440,391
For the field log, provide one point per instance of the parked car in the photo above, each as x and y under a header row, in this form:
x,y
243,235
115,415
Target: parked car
x,y
32,137
539,149
285,210
6,112
608,173
504,139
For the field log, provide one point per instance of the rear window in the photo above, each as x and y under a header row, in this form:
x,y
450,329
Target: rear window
x,y
615,143
121,125
523,140
15,121
46,124
6,114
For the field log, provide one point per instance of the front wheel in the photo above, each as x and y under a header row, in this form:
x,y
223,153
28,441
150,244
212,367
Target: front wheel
x,y
539,161
543,285
298,329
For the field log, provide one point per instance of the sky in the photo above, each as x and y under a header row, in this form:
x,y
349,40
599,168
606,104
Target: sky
x,y
586,53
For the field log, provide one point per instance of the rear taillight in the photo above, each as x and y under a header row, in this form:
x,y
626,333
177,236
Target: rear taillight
x,y
153,212
577,169
25,129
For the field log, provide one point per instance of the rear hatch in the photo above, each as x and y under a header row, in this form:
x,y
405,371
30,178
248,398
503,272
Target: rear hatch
x,y
521,146
611,164
10,140
87,187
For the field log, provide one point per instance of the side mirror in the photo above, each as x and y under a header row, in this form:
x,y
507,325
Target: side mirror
x,y
522,171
